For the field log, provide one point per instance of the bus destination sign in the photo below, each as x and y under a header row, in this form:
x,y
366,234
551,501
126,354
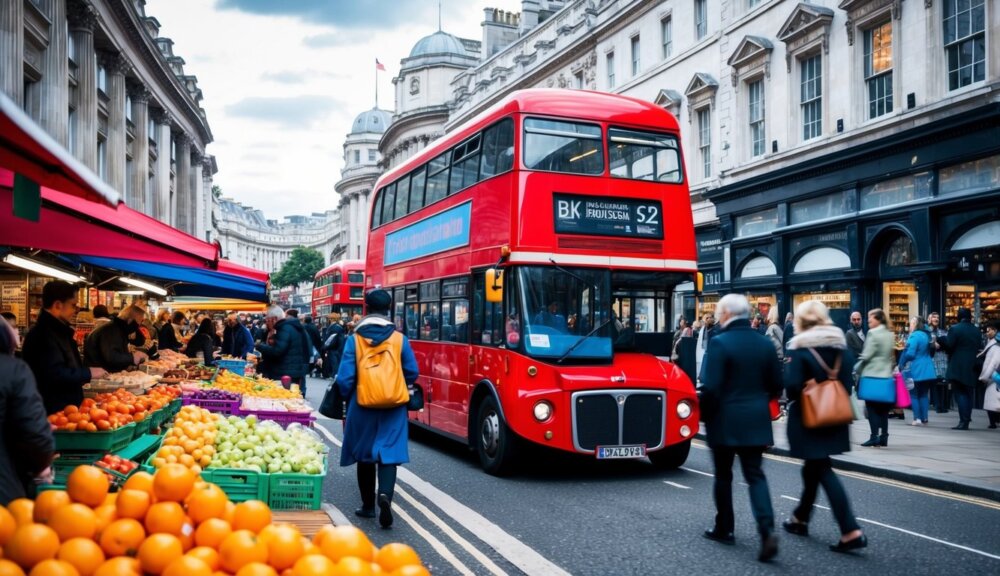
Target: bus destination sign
x,y
604,216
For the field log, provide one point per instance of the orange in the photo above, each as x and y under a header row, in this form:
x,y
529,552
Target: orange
x,y
23,510
105,515
47,502
8,568
354,566
157,551
165,517
53,568
314,565
140,481
88,485
7,525
206,501
230,510
412,570
73,521
395,555
111,498
239,549
84,554
132,504
256,569
252,515
122,537
341,541
212,532
30,544
187,566
207,555
309,547
119,567
284,545
173,483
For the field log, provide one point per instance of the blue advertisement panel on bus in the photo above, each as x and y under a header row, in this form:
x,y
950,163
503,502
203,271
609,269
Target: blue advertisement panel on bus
x,y
438,233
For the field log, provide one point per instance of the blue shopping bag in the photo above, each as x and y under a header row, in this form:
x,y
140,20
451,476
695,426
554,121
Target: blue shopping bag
x,y
877,389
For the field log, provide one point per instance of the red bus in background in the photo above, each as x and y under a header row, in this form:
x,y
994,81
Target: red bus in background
x,y
532,254
339,288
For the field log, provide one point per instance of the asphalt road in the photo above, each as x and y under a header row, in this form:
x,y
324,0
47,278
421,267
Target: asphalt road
x,y
567,514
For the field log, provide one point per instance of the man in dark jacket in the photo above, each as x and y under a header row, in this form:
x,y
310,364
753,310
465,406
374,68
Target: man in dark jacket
x,y
236,340
741,375
962,343
855,334
170,330
107,346
52,353
315,340
333,343
289,355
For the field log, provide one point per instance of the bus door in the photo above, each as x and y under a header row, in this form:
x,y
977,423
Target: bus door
x,y
492,332
451,363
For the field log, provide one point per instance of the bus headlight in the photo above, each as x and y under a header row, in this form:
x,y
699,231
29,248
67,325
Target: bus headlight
x,y
683,409
542,410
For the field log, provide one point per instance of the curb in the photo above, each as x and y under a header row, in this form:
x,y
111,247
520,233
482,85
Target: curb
x,y
335,515
926,479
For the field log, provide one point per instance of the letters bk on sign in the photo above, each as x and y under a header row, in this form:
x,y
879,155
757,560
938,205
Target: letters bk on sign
x,y
607,216
438,233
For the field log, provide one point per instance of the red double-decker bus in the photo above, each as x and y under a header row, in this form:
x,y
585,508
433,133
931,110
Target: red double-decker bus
x,y
532,254
339,288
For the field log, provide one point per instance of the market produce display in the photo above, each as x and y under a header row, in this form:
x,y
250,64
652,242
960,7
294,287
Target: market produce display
x,y
170,524
108,411
264,446
212,394
191,440
259,387
255,404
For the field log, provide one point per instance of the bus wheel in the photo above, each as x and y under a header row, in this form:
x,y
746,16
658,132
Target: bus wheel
x,y
495,443
671,457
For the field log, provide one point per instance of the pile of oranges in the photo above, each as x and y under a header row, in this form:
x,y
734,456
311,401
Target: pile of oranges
x,y
191,440
112,410
170,524
259,387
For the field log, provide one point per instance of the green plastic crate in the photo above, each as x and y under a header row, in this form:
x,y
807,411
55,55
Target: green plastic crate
x,y
45,487
68,461
106,441
239,485
141,428
295,491
141,448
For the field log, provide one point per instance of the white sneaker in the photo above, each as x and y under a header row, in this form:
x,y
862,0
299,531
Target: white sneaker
x,y
916,423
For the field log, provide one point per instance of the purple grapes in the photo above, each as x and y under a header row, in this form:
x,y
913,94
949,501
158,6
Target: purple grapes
x,y
214,394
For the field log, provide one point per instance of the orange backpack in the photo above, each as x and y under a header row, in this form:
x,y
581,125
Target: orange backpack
x,y
380,372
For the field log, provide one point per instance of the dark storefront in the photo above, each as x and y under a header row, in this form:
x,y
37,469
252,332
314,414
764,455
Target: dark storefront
x,y
909,223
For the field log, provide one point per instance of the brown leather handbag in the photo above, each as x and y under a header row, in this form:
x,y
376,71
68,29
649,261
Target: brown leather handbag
x,y
826,403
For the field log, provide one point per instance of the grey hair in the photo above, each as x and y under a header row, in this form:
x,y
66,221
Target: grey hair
x,y
276,312
735,304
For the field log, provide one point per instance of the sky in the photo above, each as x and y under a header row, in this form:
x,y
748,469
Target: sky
x,y
284,79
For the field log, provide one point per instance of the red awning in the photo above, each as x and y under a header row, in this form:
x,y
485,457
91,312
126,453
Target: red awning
x,y
28,150
72,225
234,269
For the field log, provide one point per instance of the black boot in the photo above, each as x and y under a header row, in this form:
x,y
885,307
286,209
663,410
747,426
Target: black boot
x,y
883,440
366,484
961,426
384,511
872,442
768,546
386,487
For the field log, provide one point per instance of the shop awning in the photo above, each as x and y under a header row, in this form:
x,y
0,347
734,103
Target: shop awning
x,y
72,225
188,281
186,303
27,149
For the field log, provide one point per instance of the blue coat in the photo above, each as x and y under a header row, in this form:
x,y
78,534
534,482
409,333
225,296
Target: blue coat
x,y
741,375
373,434
920,356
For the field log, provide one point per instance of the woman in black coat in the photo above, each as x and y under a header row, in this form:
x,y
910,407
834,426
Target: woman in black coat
x,y
203,341
814,331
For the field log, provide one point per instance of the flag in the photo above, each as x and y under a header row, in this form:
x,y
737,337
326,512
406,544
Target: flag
x,y
379,65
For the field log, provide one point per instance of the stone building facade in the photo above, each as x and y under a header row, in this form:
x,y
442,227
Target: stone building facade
x,y
98,77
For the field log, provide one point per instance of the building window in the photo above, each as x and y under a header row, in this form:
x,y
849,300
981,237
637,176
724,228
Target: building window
x,y
635,55
357,156
371,155
700,19
667,37
102,79
761,222
965,41
102,159
128,108
705,141
878,69
610,59
751,4
578,80
828,206
71,48
71,126
755,113
812,96
897,191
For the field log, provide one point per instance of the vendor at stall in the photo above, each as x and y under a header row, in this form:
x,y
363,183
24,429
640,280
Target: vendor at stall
x,y
51,352
201,345
170,333
107,346
236,340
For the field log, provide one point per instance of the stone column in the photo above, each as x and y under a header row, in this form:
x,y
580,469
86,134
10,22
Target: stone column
x,y
355,222
116,65
140,147
53,109
161,181
82,20
196,193
206,201
182,183
12,50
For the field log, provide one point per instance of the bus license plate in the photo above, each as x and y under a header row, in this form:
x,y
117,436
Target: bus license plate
x,y
619,452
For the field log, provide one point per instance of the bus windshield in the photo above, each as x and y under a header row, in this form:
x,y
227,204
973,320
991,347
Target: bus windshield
x,y
561,306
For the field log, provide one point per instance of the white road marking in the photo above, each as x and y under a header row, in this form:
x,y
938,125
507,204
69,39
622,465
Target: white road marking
x,y
482,558
697,471
676,485
931,538
438,546
820,506
513,550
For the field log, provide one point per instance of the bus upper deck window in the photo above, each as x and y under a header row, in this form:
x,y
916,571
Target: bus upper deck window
x,y
560,146
644,156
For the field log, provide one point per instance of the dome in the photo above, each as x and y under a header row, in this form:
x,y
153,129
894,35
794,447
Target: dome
x,y
374,121
438,43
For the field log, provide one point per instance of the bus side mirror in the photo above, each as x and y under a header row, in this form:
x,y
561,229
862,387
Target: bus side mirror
x,y
494,286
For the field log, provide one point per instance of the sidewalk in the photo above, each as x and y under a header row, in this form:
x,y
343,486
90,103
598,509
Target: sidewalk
x,y
934,456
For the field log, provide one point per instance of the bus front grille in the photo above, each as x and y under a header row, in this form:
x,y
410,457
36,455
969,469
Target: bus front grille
x,y
618,417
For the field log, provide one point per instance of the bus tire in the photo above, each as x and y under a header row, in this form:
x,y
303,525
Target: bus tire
x,y
496,444
671,457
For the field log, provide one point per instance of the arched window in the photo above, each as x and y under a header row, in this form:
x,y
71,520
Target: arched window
x,y
900,253
823,258
982,236
758,267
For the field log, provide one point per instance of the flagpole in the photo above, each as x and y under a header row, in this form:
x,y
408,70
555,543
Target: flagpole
x,y
376,83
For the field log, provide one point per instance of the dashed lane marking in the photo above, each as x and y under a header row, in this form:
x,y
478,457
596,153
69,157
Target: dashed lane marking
x,y
686,469
676,485
820,506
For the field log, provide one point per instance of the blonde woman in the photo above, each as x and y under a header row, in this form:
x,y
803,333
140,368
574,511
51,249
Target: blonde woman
x,y
775,333
877,361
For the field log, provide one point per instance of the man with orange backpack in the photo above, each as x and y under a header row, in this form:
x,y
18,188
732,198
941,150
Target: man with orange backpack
x,y
375,371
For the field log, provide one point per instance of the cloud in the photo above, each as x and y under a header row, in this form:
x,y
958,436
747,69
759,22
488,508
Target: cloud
x,y
337,39
353,14
285,77
291,112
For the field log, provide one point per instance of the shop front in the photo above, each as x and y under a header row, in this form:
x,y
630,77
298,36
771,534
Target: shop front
x,y
757,278
974,273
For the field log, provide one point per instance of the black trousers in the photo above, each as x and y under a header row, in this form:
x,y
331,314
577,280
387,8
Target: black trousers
x,y
751,460
964,397
878,417
816,473
366,481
